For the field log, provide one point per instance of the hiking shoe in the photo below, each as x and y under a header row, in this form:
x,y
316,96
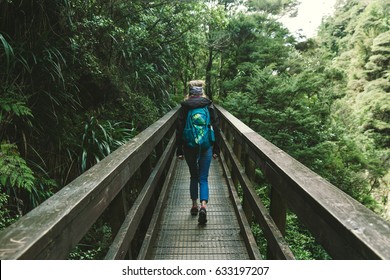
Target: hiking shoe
x,y
202,220
194,210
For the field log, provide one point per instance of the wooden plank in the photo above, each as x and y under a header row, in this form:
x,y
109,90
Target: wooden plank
x,y
343,226
52,229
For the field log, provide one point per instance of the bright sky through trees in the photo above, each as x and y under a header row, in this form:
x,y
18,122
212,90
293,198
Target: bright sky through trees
x,y
310,14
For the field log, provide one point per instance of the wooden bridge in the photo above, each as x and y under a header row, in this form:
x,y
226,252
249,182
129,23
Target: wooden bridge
x,y
142,190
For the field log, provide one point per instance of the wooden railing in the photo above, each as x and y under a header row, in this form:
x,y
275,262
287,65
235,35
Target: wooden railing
x,y
344,227
125,188
137,169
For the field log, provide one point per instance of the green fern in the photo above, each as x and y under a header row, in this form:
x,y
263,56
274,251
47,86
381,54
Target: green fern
x,y
16,107
14,172
10,107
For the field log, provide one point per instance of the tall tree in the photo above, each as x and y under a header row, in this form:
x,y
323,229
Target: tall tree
x,y
357,39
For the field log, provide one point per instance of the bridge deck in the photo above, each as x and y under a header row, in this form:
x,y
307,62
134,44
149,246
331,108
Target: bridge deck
x,y
179,235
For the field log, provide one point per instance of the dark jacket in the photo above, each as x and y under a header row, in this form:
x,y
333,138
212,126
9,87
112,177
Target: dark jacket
x,y
191,103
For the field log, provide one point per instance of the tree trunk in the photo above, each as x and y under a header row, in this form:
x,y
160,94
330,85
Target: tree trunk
x,y
208,74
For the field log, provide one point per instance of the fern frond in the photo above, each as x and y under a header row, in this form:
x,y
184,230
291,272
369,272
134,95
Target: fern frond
x,y
14,171
16,107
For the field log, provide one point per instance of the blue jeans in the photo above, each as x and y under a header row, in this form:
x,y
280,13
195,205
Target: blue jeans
x,y
198,162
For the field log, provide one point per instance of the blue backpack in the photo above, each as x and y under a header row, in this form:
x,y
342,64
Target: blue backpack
x,y
198,132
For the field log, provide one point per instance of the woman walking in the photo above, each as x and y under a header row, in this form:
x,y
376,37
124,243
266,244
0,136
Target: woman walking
x,y
197,137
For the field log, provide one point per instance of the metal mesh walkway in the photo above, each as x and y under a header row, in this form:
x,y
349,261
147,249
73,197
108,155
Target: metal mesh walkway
x,y
179,235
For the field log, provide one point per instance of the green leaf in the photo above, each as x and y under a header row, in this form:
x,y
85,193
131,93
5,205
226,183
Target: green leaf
x,y
9,52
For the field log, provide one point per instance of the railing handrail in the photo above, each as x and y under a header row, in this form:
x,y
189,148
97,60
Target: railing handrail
x,y
343,226
51,230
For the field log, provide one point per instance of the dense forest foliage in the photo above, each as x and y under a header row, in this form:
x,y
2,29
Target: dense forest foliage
x,y
81,77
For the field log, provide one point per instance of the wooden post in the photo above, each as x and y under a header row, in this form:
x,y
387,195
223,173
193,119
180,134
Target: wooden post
x,y
237,148
160,149
250,172
118,210
145,170
278,212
